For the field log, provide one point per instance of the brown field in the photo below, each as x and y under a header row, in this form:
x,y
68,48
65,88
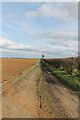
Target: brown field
x,y
13,66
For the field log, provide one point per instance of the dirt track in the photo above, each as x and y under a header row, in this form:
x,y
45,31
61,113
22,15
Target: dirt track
x,y
32,95
63,101
20,101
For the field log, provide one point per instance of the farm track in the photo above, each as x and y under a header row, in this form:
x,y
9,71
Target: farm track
x,y
20,100
37,93
63,101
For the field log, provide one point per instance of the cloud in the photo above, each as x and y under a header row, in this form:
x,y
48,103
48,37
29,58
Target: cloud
x,y
13,49
69,45
5,43
9,45
10,48
60,41
60,11
55,39
57,34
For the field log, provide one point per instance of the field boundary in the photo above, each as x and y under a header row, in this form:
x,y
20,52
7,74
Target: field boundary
x,y
65,79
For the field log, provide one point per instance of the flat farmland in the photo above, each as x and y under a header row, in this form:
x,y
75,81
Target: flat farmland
x,y
30,90
13,66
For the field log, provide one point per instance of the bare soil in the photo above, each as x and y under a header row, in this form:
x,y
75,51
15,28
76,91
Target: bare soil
x,y
37,94
20,100
14,66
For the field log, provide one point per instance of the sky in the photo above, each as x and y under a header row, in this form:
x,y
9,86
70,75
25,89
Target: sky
x,y
30,29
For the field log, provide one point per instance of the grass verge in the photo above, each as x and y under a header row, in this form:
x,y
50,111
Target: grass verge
x,y
65,78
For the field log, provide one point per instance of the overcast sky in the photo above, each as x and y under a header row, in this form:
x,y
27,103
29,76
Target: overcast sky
x,y
33,29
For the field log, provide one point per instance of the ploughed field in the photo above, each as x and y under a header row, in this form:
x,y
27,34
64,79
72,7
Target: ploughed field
x,y
14,66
